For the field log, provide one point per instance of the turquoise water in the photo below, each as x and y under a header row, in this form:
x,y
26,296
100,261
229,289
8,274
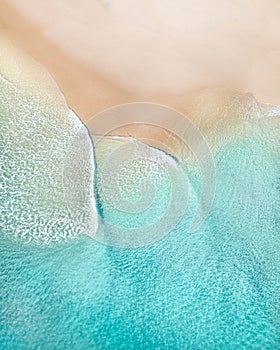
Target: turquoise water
x,y
217,288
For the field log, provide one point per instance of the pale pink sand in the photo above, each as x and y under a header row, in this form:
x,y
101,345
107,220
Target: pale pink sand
x,y
107,52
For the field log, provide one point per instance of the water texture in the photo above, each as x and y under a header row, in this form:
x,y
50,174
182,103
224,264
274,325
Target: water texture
x,y
217,288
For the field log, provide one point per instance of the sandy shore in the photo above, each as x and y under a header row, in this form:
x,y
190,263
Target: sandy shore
x,y
157,57
85,91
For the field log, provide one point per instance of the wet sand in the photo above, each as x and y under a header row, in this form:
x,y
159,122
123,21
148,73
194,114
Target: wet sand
x,y
85,91
157,57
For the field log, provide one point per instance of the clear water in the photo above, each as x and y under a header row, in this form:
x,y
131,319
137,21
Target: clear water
x,y
215,289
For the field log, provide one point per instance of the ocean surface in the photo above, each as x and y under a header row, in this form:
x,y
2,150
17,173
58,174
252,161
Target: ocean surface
x,y
61,288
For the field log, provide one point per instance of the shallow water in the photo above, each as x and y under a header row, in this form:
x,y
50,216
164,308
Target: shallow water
x,y
215,288
61,288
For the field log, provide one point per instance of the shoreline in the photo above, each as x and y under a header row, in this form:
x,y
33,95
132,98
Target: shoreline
x,y
86,89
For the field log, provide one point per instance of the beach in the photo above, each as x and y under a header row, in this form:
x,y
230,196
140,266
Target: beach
x,y
112,54
151,225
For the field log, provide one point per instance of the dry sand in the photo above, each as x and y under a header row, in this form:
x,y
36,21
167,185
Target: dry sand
x,y
107,52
